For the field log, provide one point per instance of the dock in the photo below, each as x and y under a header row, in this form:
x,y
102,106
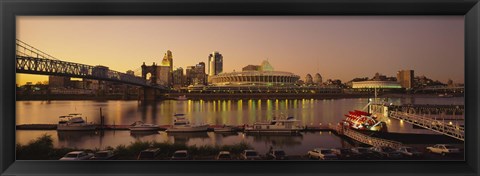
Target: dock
x,y
37,127
161,127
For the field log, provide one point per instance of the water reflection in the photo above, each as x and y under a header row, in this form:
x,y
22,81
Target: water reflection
x,y
279,140
72,138
141,134
185,137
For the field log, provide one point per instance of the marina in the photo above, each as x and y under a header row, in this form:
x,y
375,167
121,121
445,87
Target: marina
x,y
309,132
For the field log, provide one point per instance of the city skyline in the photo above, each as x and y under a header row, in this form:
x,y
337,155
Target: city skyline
x,y
325,45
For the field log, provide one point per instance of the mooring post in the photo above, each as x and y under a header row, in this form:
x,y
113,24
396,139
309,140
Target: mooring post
x,y
102,119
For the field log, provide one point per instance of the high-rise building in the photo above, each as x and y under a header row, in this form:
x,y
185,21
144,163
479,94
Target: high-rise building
x,y
195,75
200,74
189,75
167,61
164,76
405,78
215,63
178,77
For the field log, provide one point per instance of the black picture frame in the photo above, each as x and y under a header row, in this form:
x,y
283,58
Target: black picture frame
x,y
11,8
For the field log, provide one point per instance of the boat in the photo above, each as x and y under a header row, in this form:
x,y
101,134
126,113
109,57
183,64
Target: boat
x,y
182,98
445,95
142,126
361,120
74,122
225,129
181,124
275,126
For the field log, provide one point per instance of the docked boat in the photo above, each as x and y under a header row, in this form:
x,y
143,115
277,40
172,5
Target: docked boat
x,y
74,122
181,124
361,120
445,95
276,126
142,126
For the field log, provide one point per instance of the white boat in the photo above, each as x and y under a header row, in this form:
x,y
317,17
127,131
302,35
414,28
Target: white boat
x,y
181,124
74,122
275,126
182,98
142,126
445,95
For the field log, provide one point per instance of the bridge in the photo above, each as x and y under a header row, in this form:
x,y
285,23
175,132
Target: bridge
x,y
441,89
417,115
449,129
31,60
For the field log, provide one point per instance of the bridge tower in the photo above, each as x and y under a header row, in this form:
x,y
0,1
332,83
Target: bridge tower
x,y
152,70
148,93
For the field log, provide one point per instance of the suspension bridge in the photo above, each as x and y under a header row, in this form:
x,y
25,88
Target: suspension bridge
x,y
31,60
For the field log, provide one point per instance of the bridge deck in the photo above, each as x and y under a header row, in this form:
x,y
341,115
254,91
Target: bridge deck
x,y
448,129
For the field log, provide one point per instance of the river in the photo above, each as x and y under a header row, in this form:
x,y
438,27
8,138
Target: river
x,y
219,112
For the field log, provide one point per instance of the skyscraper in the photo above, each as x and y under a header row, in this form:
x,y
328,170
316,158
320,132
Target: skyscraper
x,y
168,60
405,78
178,77
200,74
215,63
195,75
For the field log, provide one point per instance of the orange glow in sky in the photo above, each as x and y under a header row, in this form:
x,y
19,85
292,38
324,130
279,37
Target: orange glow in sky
x,y
337,47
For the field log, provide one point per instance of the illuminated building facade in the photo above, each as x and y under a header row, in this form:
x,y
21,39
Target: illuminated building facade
x,y
405,78
376,84
265,76
215,63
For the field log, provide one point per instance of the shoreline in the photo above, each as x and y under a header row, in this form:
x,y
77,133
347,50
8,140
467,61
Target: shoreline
x,y
221,96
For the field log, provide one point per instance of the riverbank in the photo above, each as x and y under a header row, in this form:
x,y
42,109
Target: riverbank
x,y
42,149
225,96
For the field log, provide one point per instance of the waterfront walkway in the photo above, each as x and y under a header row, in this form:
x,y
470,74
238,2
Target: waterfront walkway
x,y
366,139
449,129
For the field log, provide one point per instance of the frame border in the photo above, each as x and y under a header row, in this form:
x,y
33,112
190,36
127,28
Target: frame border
x,y
12,8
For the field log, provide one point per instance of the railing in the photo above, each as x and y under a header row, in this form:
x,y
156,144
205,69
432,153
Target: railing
x,y
455,131
363,138
373,141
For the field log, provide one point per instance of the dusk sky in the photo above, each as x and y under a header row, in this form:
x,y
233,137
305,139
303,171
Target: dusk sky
x,y
337,47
